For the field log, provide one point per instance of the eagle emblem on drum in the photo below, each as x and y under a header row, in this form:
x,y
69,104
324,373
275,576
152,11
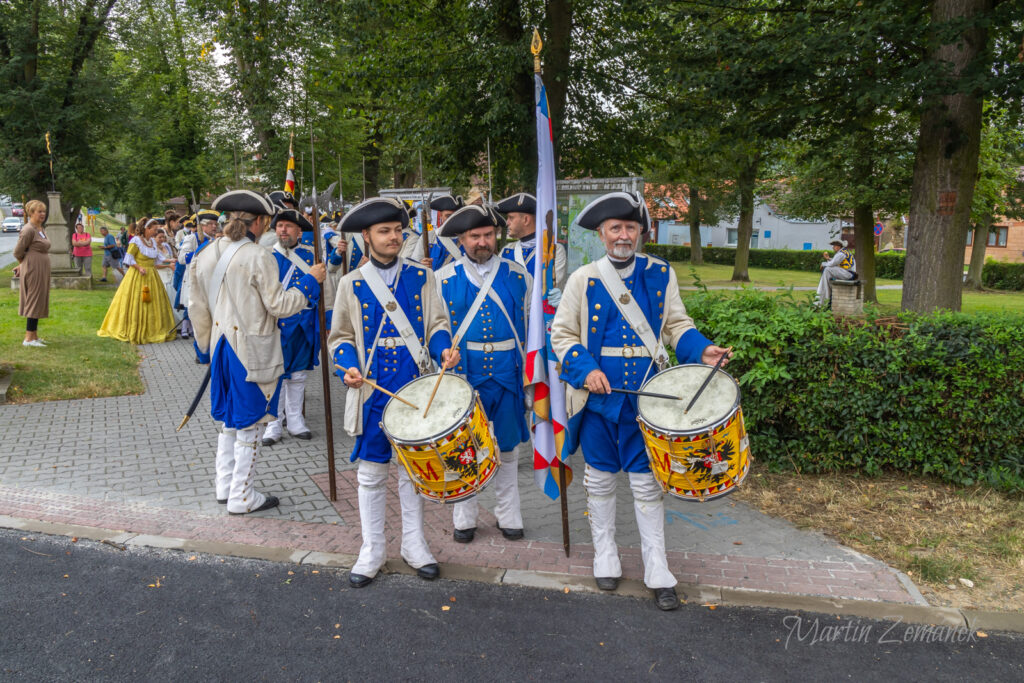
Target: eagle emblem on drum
x,y
712,466
463,462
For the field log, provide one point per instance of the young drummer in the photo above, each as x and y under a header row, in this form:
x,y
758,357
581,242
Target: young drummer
x,y
388,326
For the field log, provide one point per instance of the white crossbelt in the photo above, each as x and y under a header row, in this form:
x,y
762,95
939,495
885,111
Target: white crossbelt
x,y
630,310
488,347
221,270
393,311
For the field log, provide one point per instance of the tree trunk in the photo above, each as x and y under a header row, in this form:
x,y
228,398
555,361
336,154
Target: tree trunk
x,y
556,64
864,243
745,185
693,215
978,246
945,167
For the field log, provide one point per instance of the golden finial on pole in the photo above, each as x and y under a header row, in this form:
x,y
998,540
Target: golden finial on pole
x,y
535,45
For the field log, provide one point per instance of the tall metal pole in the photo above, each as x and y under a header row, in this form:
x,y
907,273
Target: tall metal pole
x,y
341,202
490,186
325,365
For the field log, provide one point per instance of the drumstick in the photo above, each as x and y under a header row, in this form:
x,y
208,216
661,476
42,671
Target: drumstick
x,y
455,343
374,385
647,394
707,380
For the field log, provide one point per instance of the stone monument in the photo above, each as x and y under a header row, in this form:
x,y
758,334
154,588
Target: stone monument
x,y
63,274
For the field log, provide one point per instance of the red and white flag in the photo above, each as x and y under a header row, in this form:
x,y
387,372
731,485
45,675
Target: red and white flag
x,y
289,176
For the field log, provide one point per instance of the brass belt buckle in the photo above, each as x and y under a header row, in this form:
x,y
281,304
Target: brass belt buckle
x,y
488,347
389,343
627,352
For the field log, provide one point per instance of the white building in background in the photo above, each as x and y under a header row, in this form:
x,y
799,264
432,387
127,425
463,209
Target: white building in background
x,y
771,231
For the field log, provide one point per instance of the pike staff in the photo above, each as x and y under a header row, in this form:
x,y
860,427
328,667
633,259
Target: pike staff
x,y
322,318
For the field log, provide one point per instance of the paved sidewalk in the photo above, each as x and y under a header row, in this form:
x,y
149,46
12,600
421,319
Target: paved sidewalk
x,y
117,463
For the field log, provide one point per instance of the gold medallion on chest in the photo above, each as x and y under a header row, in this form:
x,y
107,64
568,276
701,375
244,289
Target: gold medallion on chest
x,y
624,299
391,306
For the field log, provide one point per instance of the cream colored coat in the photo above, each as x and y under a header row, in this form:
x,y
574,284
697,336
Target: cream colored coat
x,y
570,325
347,326
250,303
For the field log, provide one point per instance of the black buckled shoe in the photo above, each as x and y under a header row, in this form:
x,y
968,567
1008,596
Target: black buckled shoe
x,y
464,535
359,581
270,502
607,583
270,441
428,572
305,436
666,598
511,534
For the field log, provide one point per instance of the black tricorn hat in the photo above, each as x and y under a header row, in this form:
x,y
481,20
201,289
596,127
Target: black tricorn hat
x,y
366,214
521,202
244,200
447,202
625,206
469,218
295,217
284,199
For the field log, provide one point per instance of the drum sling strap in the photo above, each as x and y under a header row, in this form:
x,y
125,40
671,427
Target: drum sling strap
x,y
630,310
394,312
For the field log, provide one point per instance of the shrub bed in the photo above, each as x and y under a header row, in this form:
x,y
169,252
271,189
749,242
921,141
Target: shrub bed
x,y
939,394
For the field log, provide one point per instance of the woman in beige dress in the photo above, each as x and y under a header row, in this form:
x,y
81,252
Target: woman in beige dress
x,y
33,255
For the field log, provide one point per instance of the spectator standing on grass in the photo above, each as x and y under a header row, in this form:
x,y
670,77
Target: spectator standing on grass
x,y
33,255
111,254
81,249
123,238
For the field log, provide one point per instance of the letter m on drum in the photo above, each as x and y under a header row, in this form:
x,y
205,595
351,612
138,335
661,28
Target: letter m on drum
x,y
704,522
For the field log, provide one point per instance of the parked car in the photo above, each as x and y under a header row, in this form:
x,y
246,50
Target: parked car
x,y
12,224
18,209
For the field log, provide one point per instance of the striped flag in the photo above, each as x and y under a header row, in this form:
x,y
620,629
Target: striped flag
x,y
289,176
541,374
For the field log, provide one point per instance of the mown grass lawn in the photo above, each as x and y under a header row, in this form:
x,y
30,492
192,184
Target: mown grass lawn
x,y
76,362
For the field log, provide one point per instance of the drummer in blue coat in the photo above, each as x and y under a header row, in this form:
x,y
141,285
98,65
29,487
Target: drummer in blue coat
x,y
300,335
613,322
388,326
520,213
486,298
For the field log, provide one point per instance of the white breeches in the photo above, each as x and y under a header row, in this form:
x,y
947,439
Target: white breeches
x,y
372,478
236,468
506,491
650,520
293,395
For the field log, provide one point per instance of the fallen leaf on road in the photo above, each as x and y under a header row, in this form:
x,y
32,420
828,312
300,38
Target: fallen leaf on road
x,y
74,539
451,599
337,637
565,590
445,608
315,571
192,558
66,576
291,573
710,606
737,542
981,634
337,626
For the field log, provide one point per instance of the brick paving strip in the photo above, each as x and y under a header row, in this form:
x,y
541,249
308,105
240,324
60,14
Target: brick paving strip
x,y
114,468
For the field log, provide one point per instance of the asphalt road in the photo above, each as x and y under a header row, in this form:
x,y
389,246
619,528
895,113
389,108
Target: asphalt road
x,y
87,611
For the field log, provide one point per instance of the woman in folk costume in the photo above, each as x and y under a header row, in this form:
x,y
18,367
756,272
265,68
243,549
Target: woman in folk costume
x,y
235,302
610,330
165,265
141,310
389,326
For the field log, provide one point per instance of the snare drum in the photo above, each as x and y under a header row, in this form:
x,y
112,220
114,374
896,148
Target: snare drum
x,y
704,453
450,454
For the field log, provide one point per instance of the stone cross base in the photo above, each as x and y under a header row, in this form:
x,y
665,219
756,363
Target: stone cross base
x,y
62,279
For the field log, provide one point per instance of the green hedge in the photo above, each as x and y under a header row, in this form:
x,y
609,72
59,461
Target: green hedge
x,y
889,266
941,394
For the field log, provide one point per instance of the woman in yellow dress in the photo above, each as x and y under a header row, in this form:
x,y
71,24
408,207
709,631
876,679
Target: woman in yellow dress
x,y
140,312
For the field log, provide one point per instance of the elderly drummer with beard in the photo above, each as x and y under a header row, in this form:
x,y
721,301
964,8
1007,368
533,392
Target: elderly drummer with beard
x,y
486,297
389,327
614,319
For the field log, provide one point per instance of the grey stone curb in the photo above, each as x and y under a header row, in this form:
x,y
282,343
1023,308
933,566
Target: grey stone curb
x,y
695,593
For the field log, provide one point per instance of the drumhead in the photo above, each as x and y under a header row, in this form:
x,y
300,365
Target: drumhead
x,y
453,400
716,404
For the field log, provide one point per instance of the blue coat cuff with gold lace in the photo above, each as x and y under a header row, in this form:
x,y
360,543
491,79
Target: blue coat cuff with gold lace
x,y
691,346
310,287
